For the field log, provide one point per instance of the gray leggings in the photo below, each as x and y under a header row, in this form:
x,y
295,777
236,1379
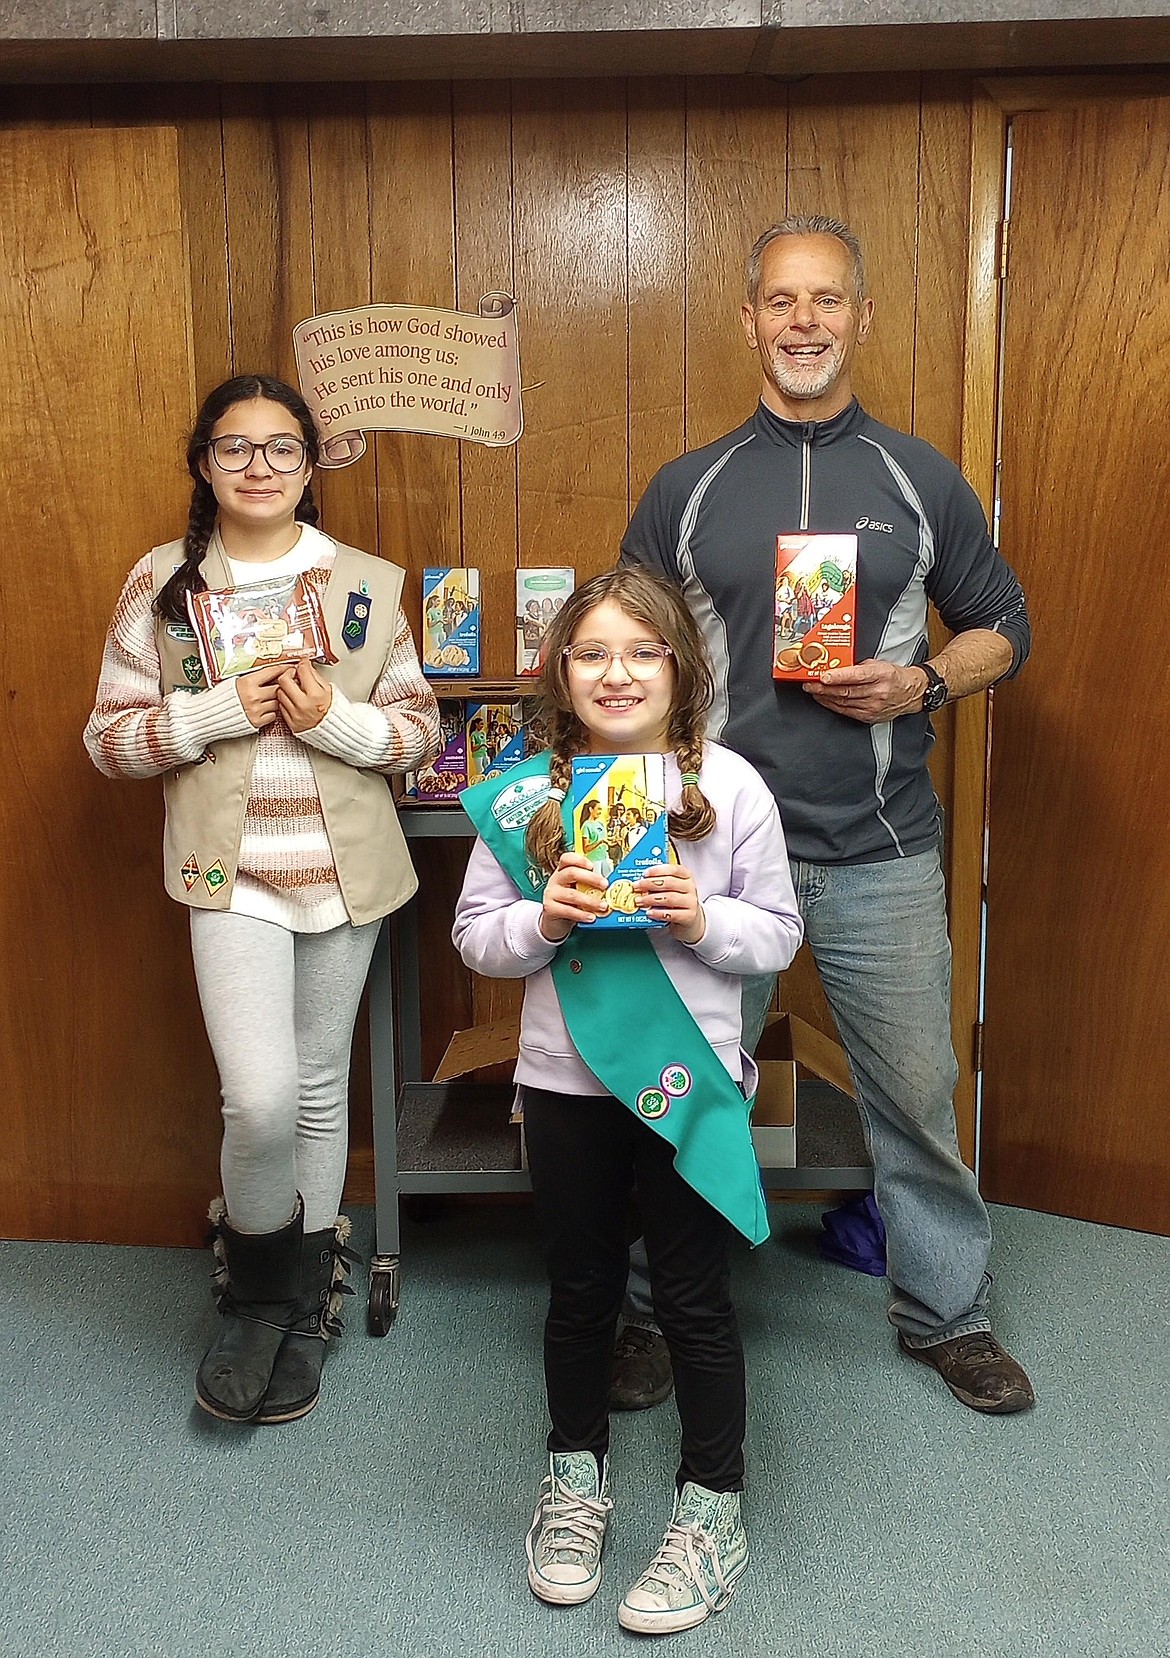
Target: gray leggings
x,y
280,1009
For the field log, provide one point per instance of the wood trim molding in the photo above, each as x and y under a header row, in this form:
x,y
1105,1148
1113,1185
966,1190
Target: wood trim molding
x,y
969,774
1017,94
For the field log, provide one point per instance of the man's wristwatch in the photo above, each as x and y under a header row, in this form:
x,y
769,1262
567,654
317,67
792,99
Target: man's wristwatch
x,y
936,692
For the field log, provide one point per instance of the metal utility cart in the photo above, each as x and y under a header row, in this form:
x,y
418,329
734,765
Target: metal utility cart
x,y
432,1138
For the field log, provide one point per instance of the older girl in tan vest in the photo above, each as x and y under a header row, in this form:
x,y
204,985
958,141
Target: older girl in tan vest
x,y
282,839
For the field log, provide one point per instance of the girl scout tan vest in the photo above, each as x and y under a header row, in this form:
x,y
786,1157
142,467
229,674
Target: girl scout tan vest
x,y
206,801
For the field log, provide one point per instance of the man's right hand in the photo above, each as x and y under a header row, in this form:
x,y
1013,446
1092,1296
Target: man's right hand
x,y
564,906
257,693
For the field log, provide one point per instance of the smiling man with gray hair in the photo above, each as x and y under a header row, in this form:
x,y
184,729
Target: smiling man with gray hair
x,y
845,755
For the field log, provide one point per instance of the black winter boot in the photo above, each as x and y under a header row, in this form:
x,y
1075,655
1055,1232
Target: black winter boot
x,y
296,1376
258,1278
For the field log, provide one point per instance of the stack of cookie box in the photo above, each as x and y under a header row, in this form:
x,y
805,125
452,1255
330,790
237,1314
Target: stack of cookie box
x,y
463,758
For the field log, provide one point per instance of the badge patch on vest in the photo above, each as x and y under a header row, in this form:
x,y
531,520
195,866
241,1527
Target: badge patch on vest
x,y
191,872
357,620
675,1081
193,669
652,1103
214,877
514,807
180,630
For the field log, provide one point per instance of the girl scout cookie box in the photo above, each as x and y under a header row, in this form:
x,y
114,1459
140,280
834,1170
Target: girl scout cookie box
x,y
450,622
443,780
540,594
619,825
495,738
816,579
476,740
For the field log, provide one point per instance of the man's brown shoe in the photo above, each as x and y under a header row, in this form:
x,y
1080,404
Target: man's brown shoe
x,y
978,1371
641,1369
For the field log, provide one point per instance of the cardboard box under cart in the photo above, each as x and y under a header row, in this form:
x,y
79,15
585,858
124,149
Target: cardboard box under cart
x,y
787,1042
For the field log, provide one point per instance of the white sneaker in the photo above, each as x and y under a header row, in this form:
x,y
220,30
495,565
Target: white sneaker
x,y
703,1556
567,1534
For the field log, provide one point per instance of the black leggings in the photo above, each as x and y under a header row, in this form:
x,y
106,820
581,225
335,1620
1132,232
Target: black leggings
x,y
586,1154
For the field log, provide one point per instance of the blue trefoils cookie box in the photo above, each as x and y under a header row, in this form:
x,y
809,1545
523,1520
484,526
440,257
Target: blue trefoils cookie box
x,y
620,826
450,622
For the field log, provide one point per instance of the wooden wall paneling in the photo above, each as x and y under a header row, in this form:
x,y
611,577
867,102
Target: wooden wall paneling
x,y
1078,971
856,155
737,135
412,217
112,1132
569,179
630,208
657,279
971,717
944,199
939,328
269,223
194,111
944,168
201,177
940,357
340,195
484,263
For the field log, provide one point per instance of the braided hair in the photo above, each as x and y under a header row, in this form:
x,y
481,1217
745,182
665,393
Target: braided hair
x,y
171,600
663,610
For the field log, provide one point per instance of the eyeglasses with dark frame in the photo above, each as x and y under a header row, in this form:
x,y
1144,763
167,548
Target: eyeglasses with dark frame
x,y
233,453
642,660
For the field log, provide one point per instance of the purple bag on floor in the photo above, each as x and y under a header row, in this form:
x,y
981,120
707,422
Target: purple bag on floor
x,y
854,1235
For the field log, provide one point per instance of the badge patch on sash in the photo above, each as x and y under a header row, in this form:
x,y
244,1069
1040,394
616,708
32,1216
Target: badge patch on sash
x,y
514,807
214,877
180,630
652,1103
193,669
357,620
190,872
675,1081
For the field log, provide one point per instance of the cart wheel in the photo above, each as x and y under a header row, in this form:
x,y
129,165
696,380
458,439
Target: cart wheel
x,y
383,1300
422,1207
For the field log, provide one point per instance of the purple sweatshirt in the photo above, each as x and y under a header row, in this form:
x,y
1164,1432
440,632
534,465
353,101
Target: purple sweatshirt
x,y
753,926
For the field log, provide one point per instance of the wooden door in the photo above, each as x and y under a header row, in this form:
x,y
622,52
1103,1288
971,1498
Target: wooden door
x,y
1077,1059
110,1103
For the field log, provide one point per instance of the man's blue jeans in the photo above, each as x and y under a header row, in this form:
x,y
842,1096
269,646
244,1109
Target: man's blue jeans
x,y
878,936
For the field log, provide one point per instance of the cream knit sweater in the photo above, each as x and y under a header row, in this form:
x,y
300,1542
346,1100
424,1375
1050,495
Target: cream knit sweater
x,y
286,872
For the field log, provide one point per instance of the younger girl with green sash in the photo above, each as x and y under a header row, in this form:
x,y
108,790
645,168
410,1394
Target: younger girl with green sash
x,y
632,1073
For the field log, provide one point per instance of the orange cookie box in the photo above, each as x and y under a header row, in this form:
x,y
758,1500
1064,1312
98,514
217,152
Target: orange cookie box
x,y
816,577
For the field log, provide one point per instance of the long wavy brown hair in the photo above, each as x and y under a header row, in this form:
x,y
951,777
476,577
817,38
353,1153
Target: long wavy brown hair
x,y
661,609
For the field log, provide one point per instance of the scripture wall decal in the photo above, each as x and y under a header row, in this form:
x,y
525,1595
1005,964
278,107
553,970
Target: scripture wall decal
x,y
411,368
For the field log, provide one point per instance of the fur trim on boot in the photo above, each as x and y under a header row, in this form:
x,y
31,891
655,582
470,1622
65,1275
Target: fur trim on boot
x,y
295,1386
257,1279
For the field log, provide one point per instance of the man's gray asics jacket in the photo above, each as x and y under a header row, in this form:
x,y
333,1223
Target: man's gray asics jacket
x,y
848,792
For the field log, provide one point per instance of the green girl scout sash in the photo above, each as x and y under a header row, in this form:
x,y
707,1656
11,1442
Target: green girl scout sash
x,y
630,1025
